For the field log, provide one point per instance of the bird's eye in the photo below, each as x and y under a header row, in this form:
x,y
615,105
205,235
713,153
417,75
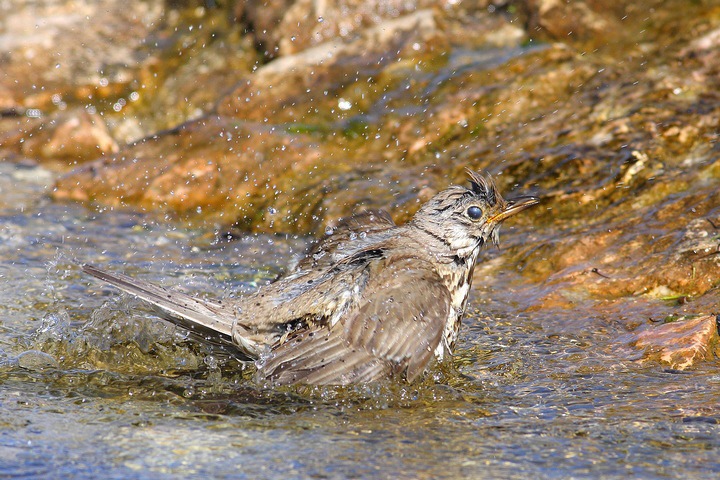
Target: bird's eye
x,y
474,212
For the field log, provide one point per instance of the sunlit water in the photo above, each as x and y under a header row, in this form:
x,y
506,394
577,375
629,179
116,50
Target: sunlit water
x,y
91,385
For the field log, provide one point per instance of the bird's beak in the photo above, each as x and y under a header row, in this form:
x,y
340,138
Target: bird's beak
x,y
514,206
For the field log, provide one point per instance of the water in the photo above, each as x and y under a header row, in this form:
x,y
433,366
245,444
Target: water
x,y
91,385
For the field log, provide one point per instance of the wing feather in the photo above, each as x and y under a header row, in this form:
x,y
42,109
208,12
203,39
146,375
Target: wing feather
x,y
394,328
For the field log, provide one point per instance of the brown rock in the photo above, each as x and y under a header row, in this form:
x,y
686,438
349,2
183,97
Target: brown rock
x,y
292,87
286,27
74,136
8,104
144,66
579,19
679,344
48,46
213,168
262,19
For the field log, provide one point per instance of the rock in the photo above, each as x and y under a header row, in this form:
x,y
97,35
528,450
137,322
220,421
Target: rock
x,y
680,344
49,46
284,89
287,27
144,67
559,19
9,106
75,136
261,20
71,137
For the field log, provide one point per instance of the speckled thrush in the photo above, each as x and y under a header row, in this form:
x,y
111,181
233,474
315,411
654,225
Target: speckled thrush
x,y
372,300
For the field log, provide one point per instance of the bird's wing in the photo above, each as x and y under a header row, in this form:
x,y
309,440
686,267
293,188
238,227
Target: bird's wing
x,y
212,321
394,329
349,236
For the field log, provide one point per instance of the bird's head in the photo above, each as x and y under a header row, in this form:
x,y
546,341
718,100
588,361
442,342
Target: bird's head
x,y
466,218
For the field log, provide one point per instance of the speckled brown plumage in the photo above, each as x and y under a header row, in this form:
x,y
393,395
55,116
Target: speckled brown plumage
x,y
371,300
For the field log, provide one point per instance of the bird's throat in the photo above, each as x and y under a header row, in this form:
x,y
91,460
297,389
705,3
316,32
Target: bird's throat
x,y
458,279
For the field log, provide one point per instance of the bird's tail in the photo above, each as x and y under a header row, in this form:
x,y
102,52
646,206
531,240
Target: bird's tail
x,y
208,320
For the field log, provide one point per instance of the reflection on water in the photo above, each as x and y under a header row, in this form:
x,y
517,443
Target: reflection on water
x,y
91,384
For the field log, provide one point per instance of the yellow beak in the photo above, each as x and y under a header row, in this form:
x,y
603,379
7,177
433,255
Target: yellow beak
x,y
514,206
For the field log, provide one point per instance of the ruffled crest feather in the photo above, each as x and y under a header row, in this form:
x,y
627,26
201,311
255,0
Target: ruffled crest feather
x,y
484,187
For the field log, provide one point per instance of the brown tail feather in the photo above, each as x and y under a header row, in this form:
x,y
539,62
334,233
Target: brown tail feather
x,y
208,320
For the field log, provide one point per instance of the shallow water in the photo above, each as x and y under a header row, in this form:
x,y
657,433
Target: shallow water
x,y
91,385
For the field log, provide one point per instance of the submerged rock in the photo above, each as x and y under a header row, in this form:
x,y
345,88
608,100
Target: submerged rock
x,y
680,344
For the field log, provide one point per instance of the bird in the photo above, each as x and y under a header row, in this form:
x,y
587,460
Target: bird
x,y
370,301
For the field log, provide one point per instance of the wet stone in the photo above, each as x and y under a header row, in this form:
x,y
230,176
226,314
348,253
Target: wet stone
x,y
581,19
74,136
285,27
679,344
